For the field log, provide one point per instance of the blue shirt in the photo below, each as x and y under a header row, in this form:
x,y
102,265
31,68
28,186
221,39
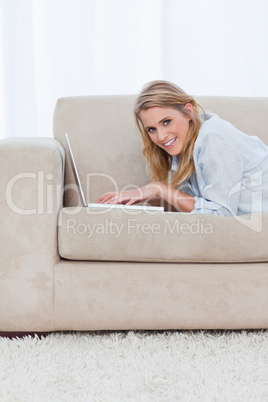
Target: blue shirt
x,y
231,175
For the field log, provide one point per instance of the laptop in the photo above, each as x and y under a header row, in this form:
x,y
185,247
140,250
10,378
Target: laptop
x,y
95,204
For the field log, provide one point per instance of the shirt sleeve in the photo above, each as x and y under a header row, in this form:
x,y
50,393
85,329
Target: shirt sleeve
x,y
219,170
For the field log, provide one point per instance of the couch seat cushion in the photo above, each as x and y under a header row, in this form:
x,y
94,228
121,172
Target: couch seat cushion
x,y
124,235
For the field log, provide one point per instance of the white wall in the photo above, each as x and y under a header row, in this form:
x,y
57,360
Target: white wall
x,y
217,47
56,48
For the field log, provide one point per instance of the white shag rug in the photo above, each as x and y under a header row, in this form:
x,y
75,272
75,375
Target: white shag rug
x,y
136,366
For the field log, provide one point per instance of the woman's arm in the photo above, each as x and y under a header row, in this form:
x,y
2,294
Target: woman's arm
x,y
219,172
179,200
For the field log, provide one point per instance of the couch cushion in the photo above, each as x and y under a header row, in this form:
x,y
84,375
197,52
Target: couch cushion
x,y
124,235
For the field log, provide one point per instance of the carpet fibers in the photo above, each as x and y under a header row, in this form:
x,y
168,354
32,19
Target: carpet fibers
x,y
136,366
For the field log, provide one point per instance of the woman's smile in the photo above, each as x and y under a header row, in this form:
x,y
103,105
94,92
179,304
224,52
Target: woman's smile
x,y
170,143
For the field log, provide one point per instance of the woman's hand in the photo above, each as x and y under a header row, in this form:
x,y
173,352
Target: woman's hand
x,y
180,201
129,197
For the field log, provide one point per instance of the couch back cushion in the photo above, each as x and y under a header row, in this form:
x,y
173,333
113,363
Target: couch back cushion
x,y
107,145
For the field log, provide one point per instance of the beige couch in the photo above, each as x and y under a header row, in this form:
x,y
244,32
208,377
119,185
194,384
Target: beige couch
x,y
74,268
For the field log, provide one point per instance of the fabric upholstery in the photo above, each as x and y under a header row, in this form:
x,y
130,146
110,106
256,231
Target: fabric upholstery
x,y
106,146
121,235
31,189
125,295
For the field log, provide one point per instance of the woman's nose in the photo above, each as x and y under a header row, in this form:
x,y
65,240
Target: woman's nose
x,y
162,134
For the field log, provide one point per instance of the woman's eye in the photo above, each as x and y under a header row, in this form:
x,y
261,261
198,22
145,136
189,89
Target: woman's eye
x,y
166,122
151,130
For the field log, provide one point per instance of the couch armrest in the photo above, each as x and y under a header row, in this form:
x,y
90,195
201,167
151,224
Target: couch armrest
x,y
31,193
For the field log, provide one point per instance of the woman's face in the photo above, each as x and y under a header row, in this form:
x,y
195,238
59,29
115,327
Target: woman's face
x,y
167,127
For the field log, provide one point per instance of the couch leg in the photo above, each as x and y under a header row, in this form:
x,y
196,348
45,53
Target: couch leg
x,y
22,334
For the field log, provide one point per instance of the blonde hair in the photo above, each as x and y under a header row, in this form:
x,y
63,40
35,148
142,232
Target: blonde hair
x,y
167,95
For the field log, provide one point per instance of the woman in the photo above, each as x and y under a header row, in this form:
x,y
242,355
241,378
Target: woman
x,y
199,163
